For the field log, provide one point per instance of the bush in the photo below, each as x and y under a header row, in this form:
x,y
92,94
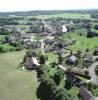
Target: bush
x,y
90,34
96,27
18,48
6,48
1,49
96,70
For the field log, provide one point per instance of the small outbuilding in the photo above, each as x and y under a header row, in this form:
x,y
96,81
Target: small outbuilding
x,y
72,60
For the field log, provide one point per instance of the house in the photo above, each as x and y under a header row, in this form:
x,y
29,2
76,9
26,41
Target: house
x,y
64,28
70,41
80,72
72,60
88,58
31,63
85,94
59,50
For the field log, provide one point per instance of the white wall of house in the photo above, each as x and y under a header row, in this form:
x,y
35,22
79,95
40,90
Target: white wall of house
x,y
64,28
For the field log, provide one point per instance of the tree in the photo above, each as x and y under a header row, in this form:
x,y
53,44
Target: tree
x,y
58,76
42,59
62,94
1,49
42,71
19,46
90,34
46,89
60,45
89,85
4,31
71,52
96,27
7,39
96,70
79,52
58,29
87,50
29,52
60,59
53,64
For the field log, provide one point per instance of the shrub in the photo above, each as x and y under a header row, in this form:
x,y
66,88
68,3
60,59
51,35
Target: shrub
x,y
96,27
62,94
96,70
90,34
1,49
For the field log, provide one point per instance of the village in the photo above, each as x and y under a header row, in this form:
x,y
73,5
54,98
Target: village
x,y
53,50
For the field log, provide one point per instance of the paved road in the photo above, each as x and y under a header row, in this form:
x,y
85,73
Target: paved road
x,y
96,98
94,78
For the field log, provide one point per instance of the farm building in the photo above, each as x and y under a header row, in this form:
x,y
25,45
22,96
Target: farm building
x,y
31,63
80,72
85,94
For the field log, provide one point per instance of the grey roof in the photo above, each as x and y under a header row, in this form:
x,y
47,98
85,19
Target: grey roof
x,y
85,94
72,58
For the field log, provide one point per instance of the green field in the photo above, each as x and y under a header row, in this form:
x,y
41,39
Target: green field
x,y
82,43
16,84
66,15
7,47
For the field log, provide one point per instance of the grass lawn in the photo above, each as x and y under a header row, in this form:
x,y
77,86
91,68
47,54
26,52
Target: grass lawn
x,y
74,91
52,57
52,71
16,84
83,42
95,92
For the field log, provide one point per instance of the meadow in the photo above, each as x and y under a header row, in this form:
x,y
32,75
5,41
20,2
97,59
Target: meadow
x,y
16,84
82,42
64,15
